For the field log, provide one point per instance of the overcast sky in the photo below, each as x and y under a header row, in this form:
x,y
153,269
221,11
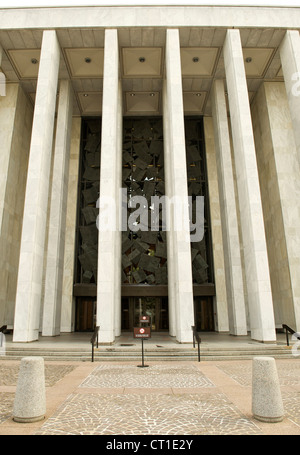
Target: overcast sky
x,y
30,3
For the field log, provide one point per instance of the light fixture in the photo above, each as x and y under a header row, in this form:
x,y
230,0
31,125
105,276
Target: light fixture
x,y
85,94
198,94
87,60
195,59
152,94
34,61
142,59
132,94
248,59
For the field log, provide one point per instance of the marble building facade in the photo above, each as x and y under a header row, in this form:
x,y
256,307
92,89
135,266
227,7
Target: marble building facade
x,y
173,101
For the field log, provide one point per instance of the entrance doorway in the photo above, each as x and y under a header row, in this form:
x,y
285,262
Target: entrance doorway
x,y
204,314
155,307
85,314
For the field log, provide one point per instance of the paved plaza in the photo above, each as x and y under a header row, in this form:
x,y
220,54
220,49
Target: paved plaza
x,y
165,398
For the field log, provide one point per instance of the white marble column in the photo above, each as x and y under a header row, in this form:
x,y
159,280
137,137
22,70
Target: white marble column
x,y
109,251
2,76
290,61
118,273
29,287
16,115
231,241
183,282
252,223
221,322
170,234
278,163
68,300
57,218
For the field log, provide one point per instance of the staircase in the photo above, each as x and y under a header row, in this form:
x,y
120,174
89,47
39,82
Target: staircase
x,y
151,353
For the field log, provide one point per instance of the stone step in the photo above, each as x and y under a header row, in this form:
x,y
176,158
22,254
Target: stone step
x,y
151,353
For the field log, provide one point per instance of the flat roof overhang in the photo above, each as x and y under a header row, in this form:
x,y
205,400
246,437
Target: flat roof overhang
x,y
150,16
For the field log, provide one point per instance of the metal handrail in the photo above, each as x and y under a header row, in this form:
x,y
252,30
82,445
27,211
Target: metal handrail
x,y
197,338
95,337
287,330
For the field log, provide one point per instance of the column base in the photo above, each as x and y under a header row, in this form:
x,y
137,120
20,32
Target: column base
x,y
28,419
268,419
21,336
106,337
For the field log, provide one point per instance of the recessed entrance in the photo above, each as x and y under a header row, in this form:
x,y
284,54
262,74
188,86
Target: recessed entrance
x,y
144,260
155,307
85,314
204,314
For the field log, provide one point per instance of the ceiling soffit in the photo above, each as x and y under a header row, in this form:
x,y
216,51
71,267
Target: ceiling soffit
x,y
257,60
85,62
144,103
25,62
90,102
198,61
141,62
193,102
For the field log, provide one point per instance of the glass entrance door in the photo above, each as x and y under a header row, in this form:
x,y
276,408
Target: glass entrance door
x,y
146,306
155,307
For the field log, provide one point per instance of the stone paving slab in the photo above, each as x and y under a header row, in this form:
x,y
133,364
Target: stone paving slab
x,y
288,372
291,403
6,405
156,376
173,398
53,374
155,414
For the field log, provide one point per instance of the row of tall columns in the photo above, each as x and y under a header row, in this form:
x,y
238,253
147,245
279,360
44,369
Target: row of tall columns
x,y
30,291
251,217
109,246
29,287
257,277
290,61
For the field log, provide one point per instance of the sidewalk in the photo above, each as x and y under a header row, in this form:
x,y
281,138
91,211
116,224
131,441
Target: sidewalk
x,y
166,398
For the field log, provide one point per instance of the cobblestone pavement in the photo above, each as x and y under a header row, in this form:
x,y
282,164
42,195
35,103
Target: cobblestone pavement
x,y
53,374
156,376
160,414
288,373
170,398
